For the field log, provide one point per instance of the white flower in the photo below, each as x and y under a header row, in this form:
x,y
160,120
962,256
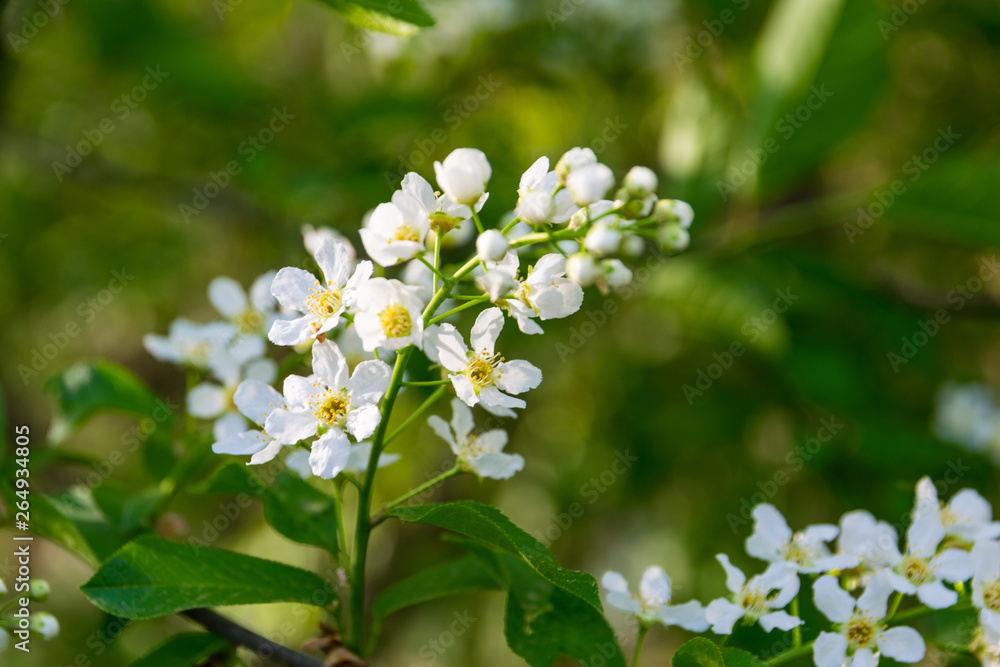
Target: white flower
x,y
190,344
640,182
756,600
590,183
211,400
481,375
546,293
419,278
602,239
390,315
445,216
538,200
922,570
674,210
396,231
330,399
987,645
321,304
861,633
986,583
582,268
967,516
874,543
463,175
572,160
253,315
491,246
773,541
357,460
479,453
652,602
45,624
314,237
256,401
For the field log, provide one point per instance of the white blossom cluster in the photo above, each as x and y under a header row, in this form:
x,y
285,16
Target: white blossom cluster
x,y
951,557
968,414
41,623
402,298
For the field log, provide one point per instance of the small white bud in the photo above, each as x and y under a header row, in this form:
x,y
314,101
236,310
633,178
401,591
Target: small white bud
x,y
674,210
491,246
633,246
574,158
463,175
582,269
673,237
536,207
616,274
602,239
590,183
640,182
38,590
45,624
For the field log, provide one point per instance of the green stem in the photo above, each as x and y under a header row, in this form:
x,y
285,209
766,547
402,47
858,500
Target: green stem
x,y
894,607
345,555
437,274
475,219
510,225
445,290
428,402
797,630
429,484
643,629
457,309
362,525
426,383
437,262
790,654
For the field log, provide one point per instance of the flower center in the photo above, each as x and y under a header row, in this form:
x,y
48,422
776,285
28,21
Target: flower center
x,y
860,632
323,303
482,370
249,322
332,408
442,223
396,321
800,550
915,569
406,232
754,602
471,449
991,596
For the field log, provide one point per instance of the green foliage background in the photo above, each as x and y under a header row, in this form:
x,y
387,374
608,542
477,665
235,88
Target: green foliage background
x,y
520,79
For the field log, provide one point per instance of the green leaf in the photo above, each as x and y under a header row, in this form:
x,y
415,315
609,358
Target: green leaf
x,y
734,657
458,577
153,577
399,17
301,512
124,508
232,478
74,521
699,652
184,650
551,611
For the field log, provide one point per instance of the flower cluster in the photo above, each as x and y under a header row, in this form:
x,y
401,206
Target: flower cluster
x,y
41,623
348,320
951,557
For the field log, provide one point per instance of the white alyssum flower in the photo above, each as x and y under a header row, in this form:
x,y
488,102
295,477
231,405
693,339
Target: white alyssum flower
x,y
464,175
603,239
545,293
396,231
874,543
321,304
805,551
986,583
479,453
212,400
390,315
44,624
641,182
922,570
330,399
539,198
491,246
967,516
861,633
573,160
251,314
759,600
590,183
481,375
256,400
190,344
652,602
582,269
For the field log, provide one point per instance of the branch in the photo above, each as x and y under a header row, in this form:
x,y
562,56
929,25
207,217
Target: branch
x,y
241,636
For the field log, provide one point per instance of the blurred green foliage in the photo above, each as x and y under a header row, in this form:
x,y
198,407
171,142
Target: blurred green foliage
x,y
841,156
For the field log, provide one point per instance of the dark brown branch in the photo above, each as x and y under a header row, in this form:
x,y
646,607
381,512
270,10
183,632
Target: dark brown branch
x,y
241,636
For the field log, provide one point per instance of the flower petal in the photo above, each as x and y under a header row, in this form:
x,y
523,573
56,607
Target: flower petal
x,y
735,579
334,261
902,644
835,603
443,430
330,453
770,533
461,419
369,382
935,595
266,454
690,616
518,376
655,585
291,332
953,565
497,465
227,296
924,535
290,426
830,650
491,397
452,352
486,330
206,401
362,422
723,614
329,364
615,582
779,619
291,288
464,389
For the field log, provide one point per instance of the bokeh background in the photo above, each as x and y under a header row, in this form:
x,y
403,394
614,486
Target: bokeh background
x,y
876,205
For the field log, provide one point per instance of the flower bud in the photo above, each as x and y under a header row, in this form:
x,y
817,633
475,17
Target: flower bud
x,y
673,237
574,158
602,239
536,207
633,209
578,220
640,182
44,624
674,210
463,175
616,274
496,283
590,183
633,246
491,246
582,269
38,590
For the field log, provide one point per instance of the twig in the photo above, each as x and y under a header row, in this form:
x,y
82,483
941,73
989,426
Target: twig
x,y
241,636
